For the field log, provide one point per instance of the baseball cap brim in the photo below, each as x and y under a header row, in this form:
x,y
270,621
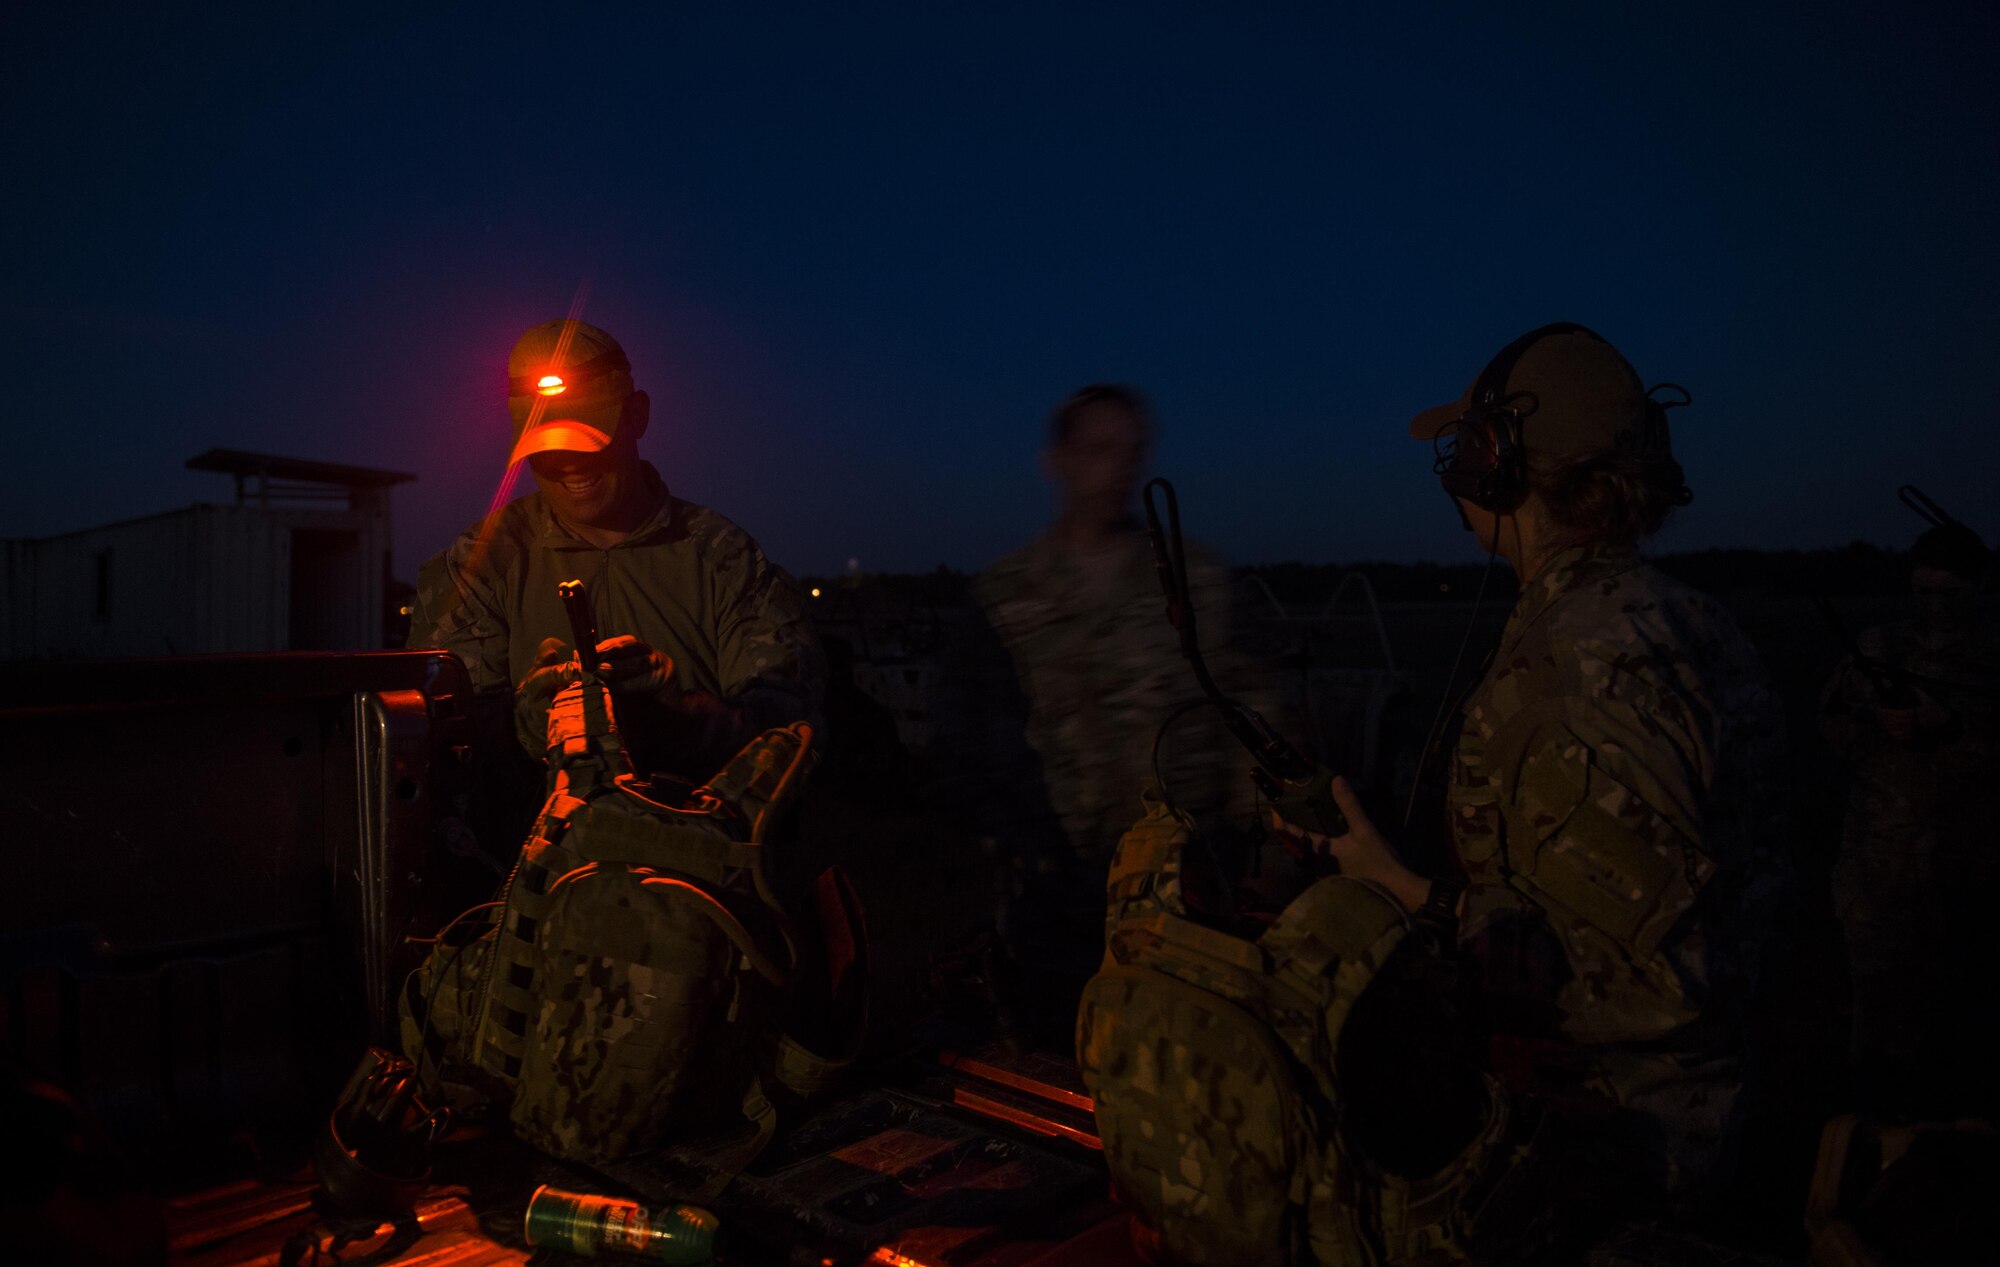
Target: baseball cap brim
x,y
564,435
1433,422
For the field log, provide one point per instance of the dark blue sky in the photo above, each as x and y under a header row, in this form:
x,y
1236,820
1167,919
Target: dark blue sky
x,y
857,255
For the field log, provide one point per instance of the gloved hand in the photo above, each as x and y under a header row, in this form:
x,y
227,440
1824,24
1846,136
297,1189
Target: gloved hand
x,y
630,667
555,668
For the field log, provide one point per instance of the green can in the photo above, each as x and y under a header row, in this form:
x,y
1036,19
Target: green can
x,y
588,1224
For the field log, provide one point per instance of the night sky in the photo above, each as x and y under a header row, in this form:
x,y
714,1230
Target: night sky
x,y
857,252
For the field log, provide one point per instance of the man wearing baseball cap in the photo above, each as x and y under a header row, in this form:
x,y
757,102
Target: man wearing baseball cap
x,y
704,641
1616,792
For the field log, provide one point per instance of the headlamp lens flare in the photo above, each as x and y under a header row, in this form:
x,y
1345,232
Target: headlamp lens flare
x,y
551,385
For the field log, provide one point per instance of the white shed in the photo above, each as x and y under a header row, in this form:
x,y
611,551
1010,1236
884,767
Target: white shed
x,y
300,562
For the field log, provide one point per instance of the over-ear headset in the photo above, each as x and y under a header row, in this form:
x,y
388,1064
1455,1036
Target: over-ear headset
x,y
1486,460
1483,456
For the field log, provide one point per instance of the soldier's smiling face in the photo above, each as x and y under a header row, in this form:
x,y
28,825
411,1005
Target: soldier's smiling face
x,y
582,487
597,490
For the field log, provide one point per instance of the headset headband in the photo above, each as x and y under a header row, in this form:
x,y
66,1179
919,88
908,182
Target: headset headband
x,y
1491,385
1503,482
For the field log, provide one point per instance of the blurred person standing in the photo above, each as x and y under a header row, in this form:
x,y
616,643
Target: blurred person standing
x,y
1915,719
1065,680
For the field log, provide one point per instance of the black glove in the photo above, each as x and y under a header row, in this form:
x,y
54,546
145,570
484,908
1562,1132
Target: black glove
x,y
630,667
555,668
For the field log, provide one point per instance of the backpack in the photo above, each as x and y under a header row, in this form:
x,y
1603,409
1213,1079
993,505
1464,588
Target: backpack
x,y
1212,1060
632,986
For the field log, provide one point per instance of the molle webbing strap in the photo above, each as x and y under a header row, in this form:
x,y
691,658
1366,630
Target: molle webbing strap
x,y
509,992
800,1071
761,1119
803,1072
559,809
763,777
692,843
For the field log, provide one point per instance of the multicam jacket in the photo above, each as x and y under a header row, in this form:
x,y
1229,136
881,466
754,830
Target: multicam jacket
x,y
1927,796
1913,882
688,582
1617,804
1097,673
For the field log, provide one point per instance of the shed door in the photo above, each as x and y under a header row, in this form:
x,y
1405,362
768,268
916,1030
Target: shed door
x,y
329,604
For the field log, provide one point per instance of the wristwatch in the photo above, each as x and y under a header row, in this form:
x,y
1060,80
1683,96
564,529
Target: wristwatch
x,y
1440,909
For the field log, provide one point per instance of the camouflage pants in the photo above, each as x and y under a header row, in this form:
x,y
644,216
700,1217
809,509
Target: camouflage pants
x,y
1920,960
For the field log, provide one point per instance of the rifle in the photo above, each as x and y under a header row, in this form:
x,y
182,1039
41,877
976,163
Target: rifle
x,y
1299,788
591,750
582,625
1913,497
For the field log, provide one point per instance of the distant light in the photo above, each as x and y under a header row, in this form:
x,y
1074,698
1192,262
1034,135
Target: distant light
x,y
815,595
1444,587
550,385
404,611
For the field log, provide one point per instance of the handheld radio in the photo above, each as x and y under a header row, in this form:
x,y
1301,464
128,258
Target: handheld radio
x,y
1299,788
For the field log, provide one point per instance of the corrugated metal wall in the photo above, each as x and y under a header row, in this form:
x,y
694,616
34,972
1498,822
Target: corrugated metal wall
x,y
17,599
205,579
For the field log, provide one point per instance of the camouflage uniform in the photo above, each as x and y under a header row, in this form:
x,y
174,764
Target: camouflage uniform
x,y
1617,804
1100,672
1054,702
687,581
1917,860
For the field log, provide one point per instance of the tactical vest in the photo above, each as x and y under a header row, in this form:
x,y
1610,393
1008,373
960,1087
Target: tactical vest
x,y
1211,1059
630,989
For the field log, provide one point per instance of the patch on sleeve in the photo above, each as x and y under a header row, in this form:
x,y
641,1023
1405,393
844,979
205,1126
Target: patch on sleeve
x,y
1592,844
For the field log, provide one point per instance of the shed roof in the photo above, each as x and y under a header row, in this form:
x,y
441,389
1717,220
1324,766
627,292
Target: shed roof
x,y
271,466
